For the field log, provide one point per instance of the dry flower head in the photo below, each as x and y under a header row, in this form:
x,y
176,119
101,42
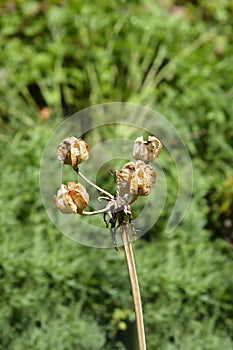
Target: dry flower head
x,y
148,150
73,151
71,199
135,179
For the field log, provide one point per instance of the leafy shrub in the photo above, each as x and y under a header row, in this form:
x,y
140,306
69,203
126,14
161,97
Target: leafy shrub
x,y
56,59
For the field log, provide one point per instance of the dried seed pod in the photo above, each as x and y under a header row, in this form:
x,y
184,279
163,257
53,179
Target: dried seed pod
x,y
71,199
73,151
146,151
146,177
126,181
135,179
154,146
139,149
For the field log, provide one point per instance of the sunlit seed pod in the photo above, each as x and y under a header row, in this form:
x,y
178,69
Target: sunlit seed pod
x,y
146,151
146,177
126,181
71,199
125,174
79,196
138,148
61,202
133,190
134,184
135,179
73,151
154,146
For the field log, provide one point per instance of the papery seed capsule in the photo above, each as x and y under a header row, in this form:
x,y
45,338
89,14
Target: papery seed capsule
x,y
72,199
146,151
126,181
60,200
146,177
135,179
154,146
73,151
139,149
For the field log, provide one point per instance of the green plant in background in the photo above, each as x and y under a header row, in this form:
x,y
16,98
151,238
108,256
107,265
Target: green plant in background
x,y
56,59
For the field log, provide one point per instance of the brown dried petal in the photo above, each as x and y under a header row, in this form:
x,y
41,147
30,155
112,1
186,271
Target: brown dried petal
x,y
61,202
155,146
72,198
126,181
135,179
146,151
73,151
79,196
139,149
146,178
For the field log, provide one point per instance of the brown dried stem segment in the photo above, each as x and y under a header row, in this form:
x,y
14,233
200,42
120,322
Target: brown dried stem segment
x,y
135,287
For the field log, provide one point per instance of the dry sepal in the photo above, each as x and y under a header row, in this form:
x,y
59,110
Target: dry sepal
x,y
71,199
73,151
135,179
148,150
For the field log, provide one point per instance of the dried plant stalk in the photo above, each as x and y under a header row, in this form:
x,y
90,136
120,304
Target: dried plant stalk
x,y
135,287
133,180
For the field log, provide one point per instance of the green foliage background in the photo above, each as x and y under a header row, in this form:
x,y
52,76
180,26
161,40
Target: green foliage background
x,y
58,57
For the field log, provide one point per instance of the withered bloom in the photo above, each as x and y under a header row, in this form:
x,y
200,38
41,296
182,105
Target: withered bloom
x,y
126,181
135,179
73,151
148,150
71,199
146,177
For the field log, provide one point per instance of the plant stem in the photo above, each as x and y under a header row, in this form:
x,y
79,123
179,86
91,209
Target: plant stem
x,y
135,287
129,260
109,195
101,211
